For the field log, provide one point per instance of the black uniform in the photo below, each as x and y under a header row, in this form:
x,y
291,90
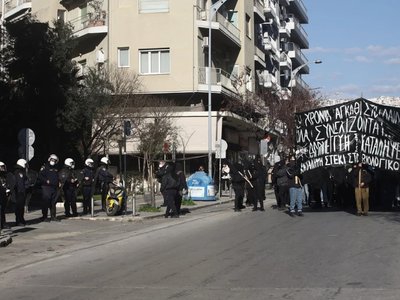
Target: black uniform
x,y
87,189
238,183
48,175
258,186
69,188
183,186
3,198
21,185
105,178
169,190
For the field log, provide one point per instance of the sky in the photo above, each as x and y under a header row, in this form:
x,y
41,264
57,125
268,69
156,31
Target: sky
x,y
358,42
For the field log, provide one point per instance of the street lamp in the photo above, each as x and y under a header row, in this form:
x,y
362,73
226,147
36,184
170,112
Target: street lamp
x,y
295,71
213,10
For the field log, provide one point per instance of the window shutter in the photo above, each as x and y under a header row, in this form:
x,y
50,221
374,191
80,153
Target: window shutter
x,y
154,6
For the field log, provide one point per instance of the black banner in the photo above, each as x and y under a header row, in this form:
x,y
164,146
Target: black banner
x,y
348,133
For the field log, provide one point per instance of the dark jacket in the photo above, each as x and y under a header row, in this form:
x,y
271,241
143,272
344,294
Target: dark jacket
x,y
50,173
365,177
89,173
21,181
67,177
281,176
179,172
169,178
236,172
104,175
294,177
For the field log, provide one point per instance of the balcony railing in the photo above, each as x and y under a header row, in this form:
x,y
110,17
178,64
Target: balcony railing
x,y
301,4
203,16
298,26
285,59
85,21
298,52
218,77
270,44
259,4
14,3
269,9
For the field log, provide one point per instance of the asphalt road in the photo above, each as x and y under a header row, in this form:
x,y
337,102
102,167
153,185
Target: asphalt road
x,y
212,253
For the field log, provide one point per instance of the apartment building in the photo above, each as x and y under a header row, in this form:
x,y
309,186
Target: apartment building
x,y
167,42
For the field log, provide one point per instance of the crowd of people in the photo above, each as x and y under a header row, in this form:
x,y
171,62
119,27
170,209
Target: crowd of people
x,y
16,186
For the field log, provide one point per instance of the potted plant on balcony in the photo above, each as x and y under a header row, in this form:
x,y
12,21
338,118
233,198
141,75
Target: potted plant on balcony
x,y
97,15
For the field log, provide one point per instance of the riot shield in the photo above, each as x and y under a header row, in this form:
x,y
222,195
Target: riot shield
x,y
78,175
32,177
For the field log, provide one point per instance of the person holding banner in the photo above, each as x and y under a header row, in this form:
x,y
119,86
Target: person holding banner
x,y
361,179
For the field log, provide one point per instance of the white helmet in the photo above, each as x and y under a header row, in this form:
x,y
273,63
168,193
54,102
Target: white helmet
x,y
89,162
2,165
22,163
105,160
53,156
69,162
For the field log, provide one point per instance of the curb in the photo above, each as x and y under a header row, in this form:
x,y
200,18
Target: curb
x,y
5,240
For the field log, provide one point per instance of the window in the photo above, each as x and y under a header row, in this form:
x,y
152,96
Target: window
x,y
154,61
153,6
248,26
61,15
123,57
82,67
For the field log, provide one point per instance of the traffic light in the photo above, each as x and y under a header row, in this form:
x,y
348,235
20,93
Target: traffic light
x,y
127,127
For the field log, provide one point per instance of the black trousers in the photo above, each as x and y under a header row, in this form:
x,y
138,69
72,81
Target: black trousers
x,y
178,201
276,192
169,197
104,192
239,195
70,202
258,196
3,206
20,207
49,201
317,197
250,196
283,195
87,199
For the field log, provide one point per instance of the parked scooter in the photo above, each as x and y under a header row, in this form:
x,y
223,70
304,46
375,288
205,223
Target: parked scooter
x,y
116,199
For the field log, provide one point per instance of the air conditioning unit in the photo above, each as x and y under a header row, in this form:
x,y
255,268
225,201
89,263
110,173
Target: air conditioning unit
x,y
205,42
227,56
203,15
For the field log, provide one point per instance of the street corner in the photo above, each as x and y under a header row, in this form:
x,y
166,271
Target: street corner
x,y
5,240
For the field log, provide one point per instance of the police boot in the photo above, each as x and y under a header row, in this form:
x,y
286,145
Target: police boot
x,y
55,219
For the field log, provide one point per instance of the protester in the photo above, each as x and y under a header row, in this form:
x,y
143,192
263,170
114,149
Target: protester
x,y
282,181
361,179
225,177
295,188
238,185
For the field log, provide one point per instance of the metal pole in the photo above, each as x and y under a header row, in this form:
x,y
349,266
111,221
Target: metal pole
x,y
209,97
125,177
133,204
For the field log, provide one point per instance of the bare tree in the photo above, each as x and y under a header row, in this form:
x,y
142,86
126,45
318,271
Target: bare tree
x,y
157,127
108,98
267,112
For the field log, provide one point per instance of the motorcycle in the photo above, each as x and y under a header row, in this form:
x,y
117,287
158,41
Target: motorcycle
x,y
116,199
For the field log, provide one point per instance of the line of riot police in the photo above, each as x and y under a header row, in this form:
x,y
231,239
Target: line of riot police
x,y
16,188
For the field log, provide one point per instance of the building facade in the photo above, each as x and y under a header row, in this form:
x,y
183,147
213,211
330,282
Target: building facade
x,y
167,42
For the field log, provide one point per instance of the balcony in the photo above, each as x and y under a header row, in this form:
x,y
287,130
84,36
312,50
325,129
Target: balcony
x,y
223,29
298,34
86,26
259,56
298,8
298,82
298,58
266,79
284,32
221,81
285,62
270,9
284,2
259,16
15,8
270,44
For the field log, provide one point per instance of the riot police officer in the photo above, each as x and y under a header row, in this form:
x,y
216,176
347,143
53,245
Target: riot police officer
x,y
67,177
21,185
3,195
48,175
88,179
105,178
